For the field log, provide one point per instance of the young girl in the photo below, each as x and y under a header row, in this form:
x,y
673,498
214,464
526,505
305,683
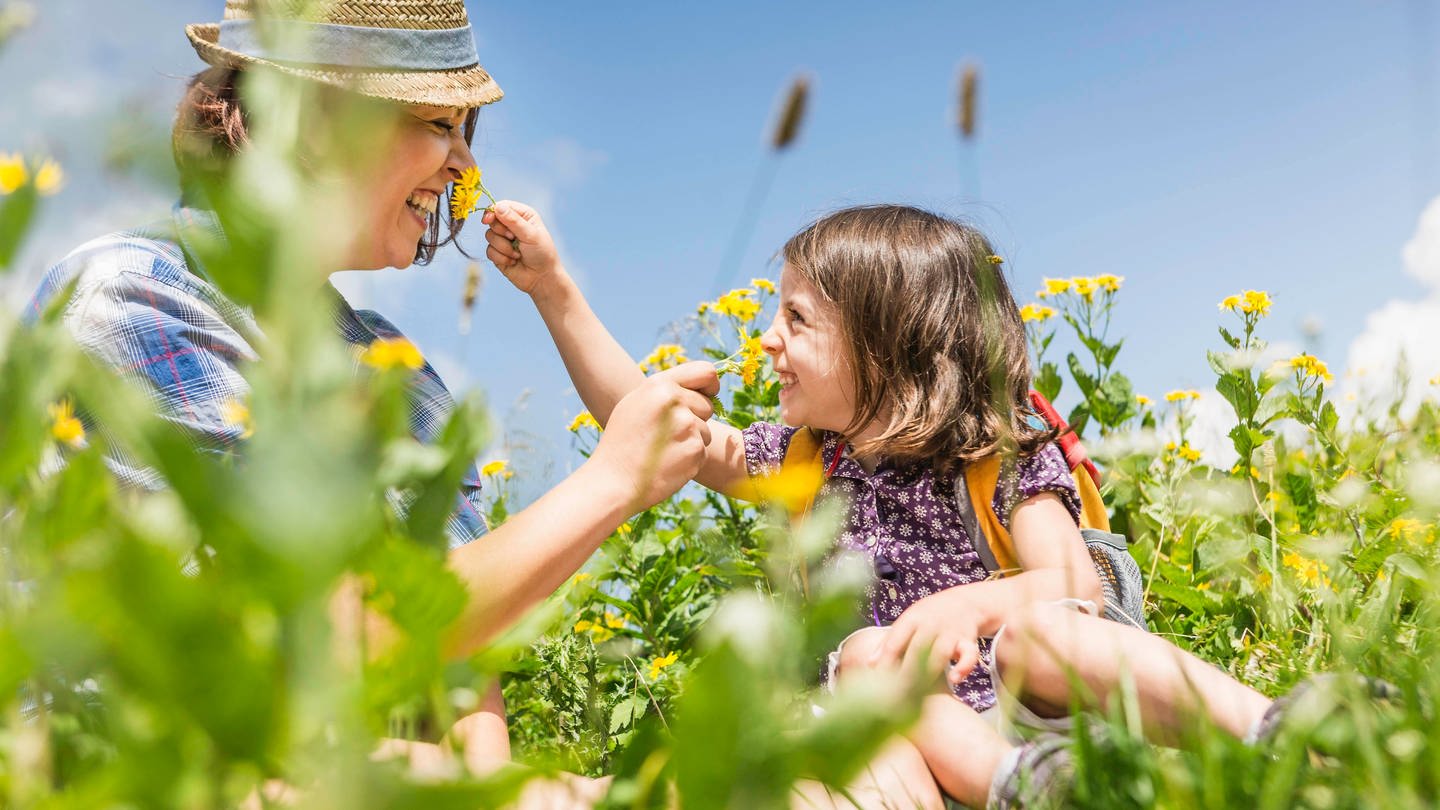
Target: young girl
x,y
898,340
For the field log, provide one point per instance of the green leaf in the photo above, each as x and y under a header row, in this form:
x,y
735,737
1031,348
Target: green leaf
x,y
16,212
1048,382
1086,382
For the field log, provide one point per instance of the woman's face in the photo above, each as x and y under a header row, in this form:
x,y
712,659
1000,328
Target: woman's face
x,y
427,152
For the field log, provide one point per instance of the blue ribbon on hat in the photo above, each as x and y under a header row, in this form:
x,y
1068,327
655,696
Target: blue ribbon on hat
x,y
351,46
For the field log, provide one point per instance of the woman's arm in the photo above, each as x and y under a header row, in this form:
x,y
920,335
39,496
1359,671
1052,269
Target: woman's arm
x,y
655,444
603,372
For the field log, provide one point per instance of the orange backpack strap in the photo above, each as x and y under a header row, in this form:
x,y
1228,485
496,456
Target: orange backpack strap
x,y
802,461
1093,514
991,539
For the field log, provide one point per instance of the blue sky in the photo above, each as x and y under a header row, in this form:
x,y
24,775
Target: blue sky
x,y
1194,149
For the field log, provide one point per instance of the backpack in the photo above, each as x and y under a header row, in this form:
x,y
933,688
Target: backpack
x,y
1119,573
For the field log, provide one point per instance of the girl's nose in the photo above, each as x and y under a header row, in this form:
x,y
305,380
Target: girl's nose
x,y
770,340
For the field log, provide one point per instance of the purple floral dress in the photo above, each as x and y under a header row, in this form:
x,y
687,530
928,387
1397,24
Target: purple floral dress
x,y
904,520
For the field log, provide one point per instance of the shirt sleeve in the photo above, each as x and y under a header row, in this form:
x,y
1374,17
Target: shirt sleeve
x,y
1044,471
765,446
175,345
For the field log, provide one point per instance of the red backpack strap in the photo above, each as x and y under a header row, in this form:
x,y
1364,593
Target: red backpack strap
x,y
1075,454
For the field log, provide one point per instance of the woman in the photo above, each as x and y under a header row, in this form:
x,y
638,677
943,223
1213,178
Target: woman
x,y
144,303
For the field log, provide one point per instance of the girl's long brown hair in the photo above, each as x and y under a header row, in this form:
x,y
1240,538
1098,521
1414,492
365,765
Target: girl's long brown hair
x,y
212,125
933,332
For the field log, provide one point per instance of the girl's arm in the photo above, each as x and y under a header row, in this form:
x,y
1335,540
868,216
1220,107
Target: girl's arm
x,y
946,626
603,372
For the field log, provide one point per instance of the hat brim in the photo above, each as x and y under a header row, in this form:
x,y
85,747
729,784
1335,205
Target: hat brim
x,y
461,87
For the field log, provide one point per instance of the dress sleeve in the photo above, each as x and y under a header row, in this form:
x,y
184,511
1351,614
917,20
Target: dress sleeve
x,y
1045,471
765,446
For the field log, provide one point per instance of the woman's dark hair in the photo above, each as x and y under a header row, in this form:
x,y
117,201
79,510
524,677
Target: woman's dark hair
x,y
212,125
934,335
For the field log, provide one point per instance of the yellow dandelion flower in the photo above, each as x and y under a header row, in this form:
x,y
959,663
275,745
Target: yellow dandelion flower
x,y
702,308
499,467
49,178
1109,282
995,260
666,355
1189,453
388,353
1053,287
1272,496
1143,401
583,420
237,413
1263,580
583,576
660,664
1230,303
466,193
1177,395
738,304
1084,286
1036,313
614,621
1292,560
64,427
763,284
751,355
13,173
1171,447
1204,586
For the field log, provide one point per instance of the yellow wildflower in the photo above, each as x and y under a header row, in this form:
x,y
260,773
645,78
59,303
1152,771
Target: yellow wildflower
x,y
1230,303
583,420
1189,453
499,467
1402,528
1292,560
763,284
703,308
12,172
1084,286
1109,282
659,664
1204,586
1053,286
387,353
1036,312
583,576
794,487
49,177
1143,401
738,304
598,632
466,193
237,413
1263,580
64,427
614,621
1272,496
995,260
1311,366
1255,302
666,355
1181,394
751,354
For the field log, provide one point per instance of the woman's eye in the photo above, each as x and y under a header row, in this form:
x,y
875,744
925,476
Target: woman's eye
x,y
794,316
444,126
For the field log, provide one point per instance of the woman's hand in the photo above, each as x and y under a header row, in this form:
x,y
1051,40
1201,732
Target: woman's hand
x,y
656,437
931,633
520,246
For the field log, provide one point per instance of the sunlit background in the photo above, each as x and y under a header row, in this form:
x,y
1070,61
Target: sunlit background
x,y
1196,151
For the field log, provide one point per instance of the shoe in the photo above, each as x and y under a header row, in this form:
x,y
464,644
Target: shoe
x,y
1038,774
1314,697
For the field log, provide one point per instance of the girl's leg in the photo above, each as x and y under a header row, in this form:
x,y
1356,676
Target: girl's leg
x,y
896,778
961,749
1039,654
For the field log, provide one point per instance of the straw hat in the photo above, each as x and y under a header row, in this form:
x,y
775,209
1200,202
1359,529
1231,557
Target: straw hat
x,y
410,51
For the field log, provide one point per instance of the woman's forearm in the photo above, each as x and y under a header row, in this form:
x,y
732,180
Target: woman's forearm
x,y
510,570
603,372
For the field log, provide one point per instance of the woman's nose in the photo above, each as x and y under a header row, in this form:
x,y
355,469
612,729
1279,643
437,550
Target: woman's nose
x,y
460,158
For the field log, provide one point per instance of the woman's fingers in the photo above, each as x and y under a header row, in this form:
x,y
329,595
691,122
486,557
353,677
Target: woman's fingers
x,y
897,641
521,220
501,260
696,375
501,242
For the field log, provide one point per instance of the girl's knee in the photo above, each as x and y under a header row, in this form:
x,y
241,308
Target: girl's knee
x,y
857,650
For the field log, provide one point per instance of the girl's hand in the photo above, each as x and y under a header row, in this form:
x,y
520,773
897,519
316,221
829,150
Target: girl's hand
x,y
520,245
933,632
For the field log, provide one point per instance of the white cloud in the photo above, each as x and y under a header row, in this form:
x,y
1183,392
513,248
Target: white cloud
x,y
1401,337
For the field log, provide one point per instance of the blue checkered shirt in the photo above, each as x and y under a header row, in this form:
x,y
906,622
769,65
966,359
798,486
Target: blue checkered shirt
x,y
143,305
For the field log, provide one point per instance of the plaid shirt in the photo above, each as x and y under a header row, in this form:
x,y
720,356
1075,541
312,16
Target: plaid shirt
x,y
144,306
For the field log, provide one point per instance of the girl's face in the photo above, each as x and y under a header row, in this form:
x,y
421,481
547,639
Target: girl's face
x,y
811,360
426,153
